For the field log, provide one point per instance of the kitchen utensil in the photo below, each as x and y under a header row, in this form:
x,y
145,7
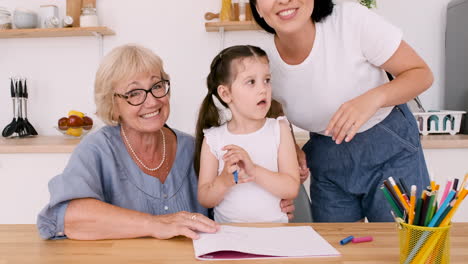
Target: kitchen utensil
x,y
21,127
11,128
30,129
211,16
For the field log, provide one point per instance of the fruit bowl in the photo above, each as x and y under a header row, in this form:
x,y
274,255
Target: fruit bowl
x,y
74,132
76,125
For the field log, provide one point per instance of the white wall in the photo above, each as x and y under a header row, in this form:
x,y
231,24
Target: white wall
x,y
61,70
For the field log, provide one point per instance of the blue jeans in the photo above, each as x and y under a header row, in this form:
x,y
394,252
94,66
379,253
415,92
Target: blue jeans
x,y
345,178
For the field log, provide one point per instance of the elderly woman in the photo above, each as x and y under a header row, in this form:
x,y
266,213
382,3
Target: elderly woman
x,y
134,177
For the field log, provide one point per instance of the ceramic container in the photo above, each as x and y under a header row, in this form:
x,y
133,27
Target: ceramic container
x,y
24,18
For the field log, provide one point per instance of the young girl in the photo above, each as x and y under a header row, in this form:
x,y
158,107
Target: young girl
x,y
259,150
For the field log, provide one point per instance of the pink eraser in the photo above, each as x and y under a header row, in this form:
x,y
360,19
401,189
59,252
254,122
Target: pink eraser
x,y
362,239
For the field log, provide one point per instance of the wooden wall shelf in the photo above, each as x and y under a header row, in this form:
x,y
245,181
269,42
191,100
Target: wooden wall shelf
x,y
55,32
38,144
231,26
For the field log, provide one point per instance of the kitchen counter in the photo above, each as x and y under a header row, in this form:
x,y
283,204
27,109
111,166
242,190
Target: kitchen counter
x,y
38,144
61,144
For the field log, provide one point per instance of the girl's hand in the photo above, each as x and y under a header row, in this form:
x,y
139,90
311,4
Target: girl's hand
x,y
352,115
181,224
227,175
237,155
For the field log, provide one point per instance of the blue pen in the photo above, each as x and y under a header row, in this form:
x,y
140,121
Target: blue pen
x,y
236,176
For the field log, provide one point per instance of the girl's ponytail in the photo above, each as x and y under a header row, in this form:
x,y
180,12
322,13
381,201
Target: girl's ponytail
x,y
208,116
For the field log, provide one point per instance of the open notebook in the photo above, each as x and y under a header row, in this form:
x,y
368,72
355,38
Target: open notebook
x,y
233,242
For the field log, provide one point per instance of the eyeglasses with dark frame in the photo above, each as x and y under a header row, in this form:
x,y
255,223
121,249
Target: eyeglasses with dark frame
x,y
138,96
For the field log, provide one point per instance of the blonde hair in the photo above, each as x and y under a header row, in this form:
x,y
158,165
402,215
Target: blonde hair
x,y
121,64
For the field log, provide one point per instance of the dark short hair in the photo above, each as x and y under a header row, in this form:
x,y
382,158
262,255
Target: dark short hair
x,y
322,8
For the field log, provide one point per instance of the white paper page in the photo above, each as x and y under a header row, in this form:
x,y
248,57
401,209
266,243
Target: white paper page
x,y
293,241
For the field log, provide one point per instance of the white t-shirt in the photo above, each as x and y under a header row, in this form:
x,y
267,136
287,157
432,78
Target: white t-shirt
x,y
248,202
349,46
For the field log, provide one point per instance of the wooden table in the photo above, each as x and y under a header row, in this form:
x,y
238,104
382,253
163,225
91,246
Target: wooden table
x,y
21,244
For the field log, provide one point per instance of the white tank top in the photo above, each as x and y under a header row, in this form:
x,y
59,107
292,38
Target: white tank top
x,y
248,202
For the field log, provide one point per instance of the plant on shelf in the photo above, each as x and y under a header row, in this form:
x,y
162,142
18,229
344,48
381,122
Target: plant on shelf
x,y
368,3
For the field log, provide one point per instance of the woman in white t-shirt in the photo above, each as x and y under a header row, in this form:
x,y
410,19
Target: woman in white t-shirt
x,y
329,63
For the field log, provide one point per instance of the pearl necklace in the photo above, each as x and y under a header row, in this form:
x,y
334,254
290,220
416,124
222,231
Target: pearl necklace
x,y
138,159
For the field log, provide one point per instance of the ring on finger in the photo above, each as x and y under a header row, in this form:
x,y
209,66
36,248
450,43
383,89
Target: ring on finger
x,y
193,217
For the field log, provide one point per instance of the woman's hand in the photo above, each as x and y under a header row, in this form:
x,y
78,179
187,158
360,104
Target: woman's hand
x,y
287,206
301,159
351,115
181,224
240,157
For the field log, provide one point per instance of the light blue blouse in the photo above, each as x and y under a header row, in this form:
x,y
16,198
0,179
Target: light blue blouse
x,y
101,168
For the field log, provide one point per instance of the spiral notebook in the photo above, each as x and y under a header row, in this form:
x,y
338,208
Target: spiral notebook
x,y
232,242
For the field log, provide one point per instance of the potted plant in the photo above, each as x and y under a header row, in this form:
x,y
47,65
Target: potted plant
x,y
368,3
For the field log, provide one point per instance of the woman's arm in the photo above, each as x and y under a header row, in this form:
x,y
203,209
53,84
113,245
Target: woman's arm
x,y
91,219
211,187
412,77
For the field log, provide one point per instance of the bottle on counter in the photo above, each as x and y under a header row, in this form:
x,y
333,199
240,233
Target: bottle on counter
x,y
241,10
235,10
89,17
248,11
67,21
225,13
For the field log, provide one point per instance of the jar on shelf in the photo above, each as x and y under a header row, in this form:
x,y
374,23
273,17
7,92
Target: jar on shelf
x,y
242,10
248,11
67,21
89,17
225,13
5,18
49,16
235,10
